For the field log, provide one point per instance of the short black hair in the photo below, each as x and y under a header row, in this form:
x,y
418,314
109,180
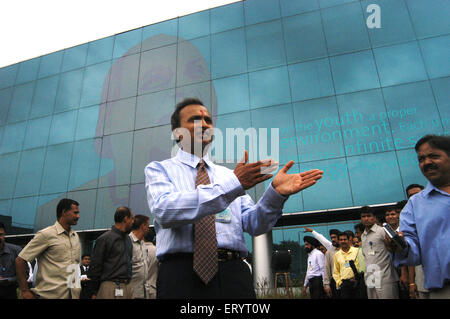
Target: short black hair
x,y
413,186
334,232
344,234
441,142
390,208
367,210
2,226
359,227
175,119
138,221
85,255
121,213
350,233
65,204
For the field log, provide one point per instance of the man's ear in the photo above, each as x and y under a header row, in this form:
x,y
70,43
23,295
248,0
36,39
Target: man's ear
x,y
177,133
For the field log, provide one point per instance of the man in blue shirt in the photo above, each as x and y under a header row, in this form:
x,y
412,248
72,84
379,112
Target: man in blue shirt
x,y
189,189
424,221
8,255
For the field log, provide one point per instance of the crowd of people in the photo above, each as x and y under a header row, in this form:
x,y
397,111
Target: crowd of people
x,y
201,211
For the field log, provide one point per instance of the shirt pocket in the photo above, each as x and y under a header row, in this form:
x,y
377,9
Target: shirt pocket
x,y
58,252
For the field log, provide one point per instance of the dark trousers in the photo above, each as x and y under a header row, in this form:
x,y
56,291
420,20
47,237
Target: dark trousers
x,y
316,288
349,290
335,293
177,280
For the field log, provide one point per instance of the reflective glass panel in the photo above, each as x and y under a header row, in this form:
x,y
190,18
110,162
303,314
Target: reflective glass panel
x,y
13,136
194,25
436,55
28,71
429,20
5,99
275,81
69,90
108,200
95,84
85,164
193,61
442,95
30,172
74,58
63,127
21,102
261,10
9,164
44,96
90,122
127,43
228,53
124,77
227,17
50,64
159,34
100,50
8,75
56,168
87,208
119,116
20,211
232,94
289,7
37,132
154,109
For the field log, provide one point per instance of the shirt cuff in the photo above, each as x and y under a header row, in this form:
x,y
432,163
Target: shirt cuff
x,y
232,187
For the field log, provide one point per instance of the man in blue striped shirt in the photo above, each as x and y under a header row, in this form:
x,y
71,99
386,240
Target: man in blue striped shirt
x,y
177,204
424,221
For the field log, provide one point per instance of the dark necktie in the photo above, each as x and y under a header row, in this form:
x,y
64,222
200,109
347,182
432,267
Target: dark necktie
x,y
205,242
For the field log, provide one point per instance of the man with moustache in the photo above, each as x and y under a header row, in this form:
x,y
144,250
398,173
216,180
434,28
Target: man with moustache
x,y
314,273
329,284
201,211
111,263
57,249
424,221
8,255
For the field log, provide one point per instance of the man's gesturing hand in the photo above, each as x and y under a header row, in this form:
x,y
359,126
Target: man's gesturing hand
x,y
288,184
250,174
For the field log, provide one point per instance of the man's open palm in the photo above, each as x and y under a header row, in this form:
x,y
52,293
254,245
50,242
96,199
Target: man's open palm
x,y
288,184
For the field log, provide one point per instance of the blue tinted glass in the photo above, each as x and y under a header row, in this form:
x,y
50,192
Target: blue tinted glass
x,y
5,99
318,129
365,128
44,96
330,3
194,25
63,127
30,171
74,58
442,95
295,202
399,64
117,147
158,69
412,113
119,116
429,19
232,94
436,56
95,84
127,43
108,199
50,64
154,109
37,132
228,53
200,90
311,80
20,211
5,207
123,77
233,134
46,204
13,136
193,61
274,81
56,169
85,165
69,90
354,72
88,199
304,37
396,25
100,50
409,168
159,34
289,7
28,70
335,173
278,140
9,164
90,122
345,28
375,178
265,45
227,17
261,10
153,144
8,75
21,102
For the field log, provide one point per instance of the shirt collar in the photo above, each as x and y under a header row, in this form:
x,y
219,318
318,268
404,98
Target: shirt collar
x,y
191,159
134,238
373,228
60,229
430,187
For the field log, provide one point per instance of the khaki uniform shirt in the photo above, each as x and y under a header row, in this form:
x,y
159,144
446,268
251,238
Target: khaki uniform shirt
x,y
139,267
376,256
58,256
329,265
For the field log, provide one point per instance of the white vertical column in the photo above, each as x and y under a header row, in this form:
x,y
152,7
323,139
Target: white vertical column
x,y
262,259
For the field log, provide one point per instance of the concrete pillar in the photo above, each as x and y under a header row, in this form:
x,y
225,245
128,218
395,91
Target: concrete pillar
x,y
262,259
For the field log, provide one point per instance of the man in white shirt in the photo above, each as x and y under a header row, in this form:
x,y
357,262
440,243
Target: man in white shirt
x,y
139,261
314,273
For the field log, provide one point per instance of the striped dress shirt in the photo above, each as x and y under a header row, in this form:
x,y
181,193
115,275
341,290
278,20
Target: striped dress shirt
x,y
176,205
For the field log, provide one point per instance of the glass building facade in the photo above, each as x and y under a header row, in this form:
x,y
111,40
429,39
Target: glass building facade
x,y
337,84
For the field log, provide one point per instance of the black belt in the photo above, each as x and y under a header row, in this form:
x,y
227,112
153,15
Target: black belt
x,y
120,281
222,255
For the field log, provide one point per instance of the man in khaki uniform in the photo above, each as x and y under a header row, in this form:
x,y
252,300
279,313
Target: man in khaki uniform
x,y
139,261
380,276
57,249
